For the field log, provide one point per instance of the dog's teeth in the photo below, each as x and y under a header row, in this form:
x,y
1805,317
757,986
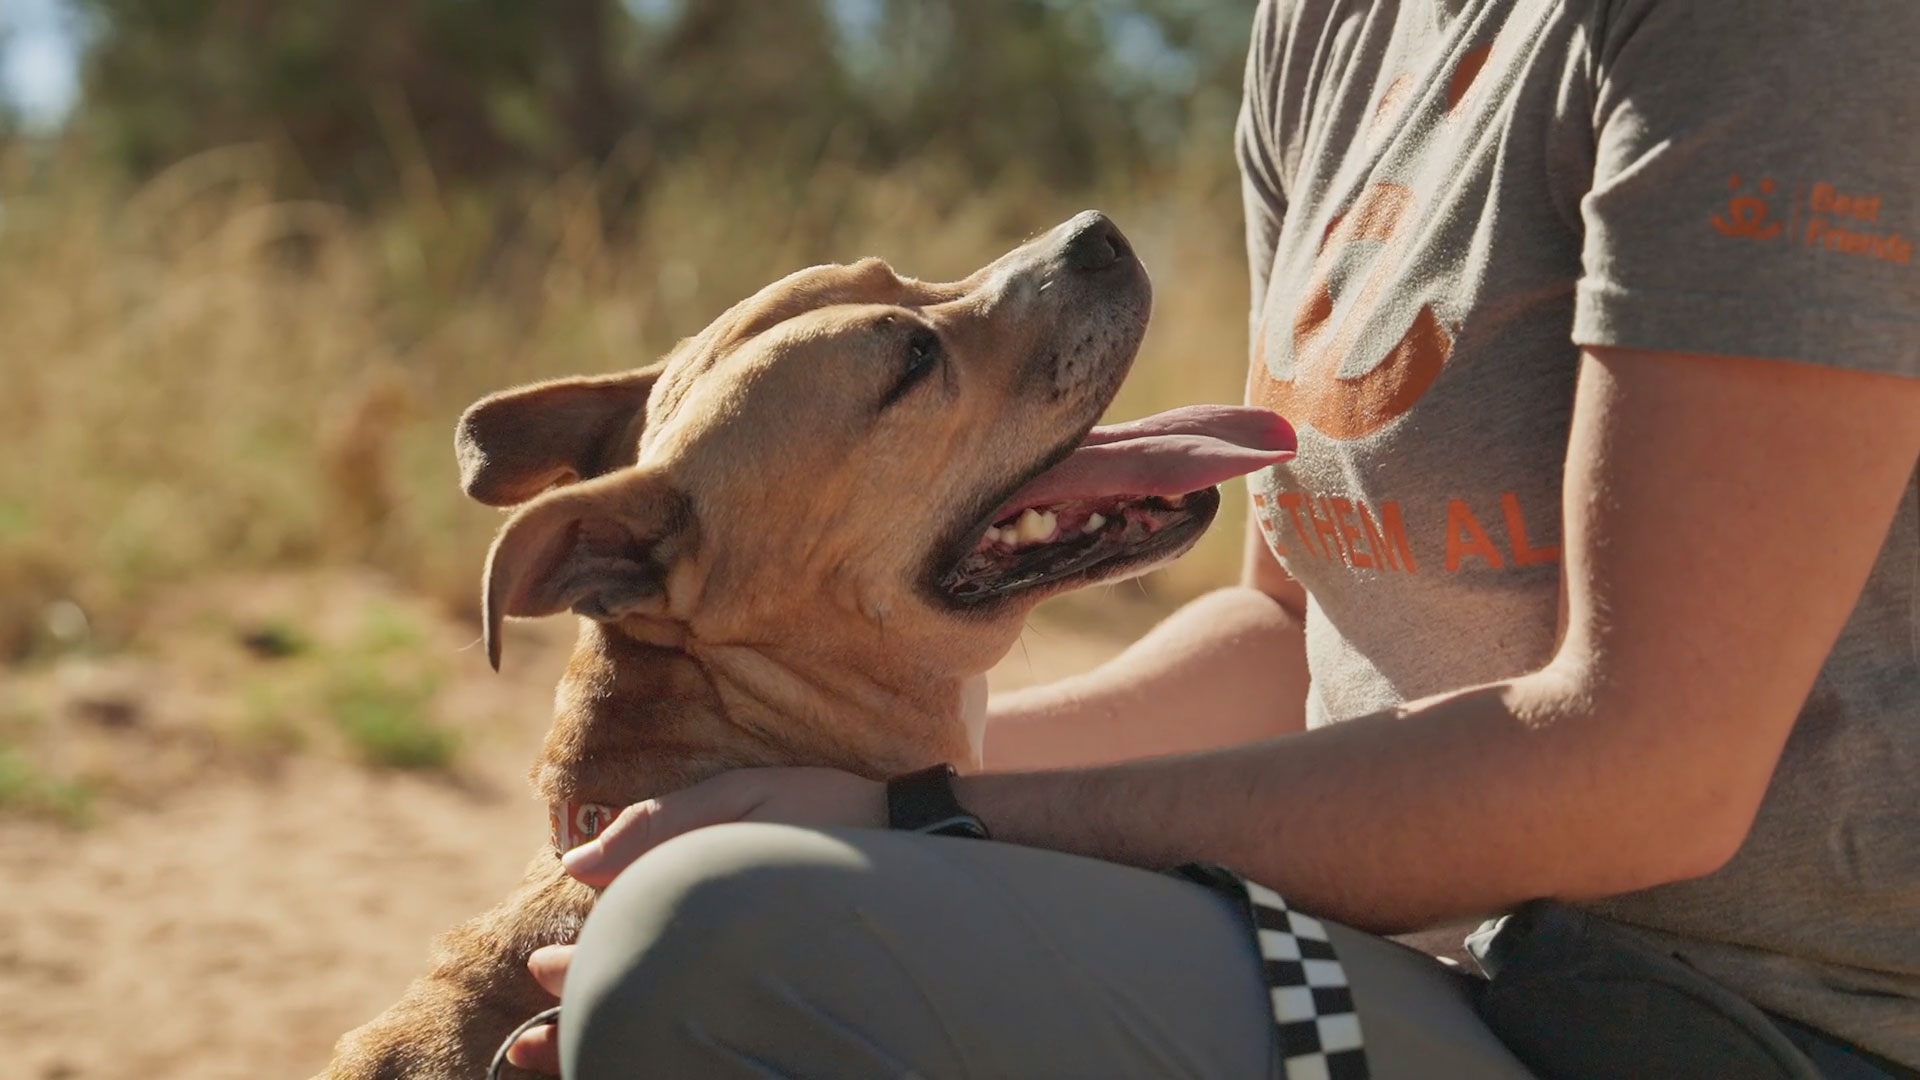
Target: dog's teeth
x,y
1094,523
1177,501
1036,526
1028,528
993,535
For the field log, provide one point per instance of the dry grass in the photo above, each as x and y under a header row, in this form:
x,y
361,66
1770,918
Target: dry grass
x,y
196,377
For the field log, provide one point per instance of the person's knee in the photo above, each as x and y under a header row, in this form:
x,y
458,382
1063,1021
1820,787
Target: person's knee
x,y
747,948
682,944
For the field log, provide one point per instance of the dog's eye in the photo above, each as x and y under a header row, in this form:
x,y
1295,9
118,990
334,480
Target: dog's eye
x,y
923,355
923,351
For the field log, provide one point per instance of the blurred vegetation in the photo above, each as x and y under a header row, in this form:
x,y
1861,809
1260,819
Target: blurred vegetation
x,y
364,98
26,788
278,246
383,707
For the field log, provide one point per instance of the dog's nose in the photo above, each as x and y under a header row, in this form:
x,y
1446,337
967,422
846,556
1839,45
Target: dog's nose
x,y
1097,244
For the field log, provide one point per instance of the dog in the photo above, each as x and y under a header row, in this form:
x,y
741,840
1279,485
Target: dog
x,y
802,539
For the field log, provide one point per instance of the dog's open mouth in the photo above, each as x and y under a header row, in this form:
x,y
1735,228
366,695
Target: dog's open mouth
x,y
1129,494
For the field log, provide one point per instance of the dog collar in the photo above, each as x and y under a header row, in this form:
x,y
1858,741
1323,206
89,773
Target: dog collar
x,y
570,824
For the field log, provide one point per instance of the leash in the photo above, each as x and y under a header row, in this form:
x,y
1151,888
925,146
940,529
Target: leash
x,y
539,1019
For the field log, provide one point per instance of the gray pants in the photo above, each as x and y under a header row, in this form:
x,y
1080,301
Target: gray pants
x,y
766,951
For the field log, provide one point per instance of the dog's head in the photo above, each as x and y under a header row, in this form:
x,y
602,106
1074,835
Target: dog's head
x,y
859,467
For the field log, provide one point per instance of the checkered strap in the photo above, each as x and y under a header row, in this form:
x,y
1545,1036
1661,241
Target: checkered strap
x,y
1315,1025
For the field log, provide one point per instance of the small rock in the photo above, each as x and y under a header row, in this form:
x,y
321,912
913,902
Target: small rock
x,y
116,713
272,641
101,694
67,622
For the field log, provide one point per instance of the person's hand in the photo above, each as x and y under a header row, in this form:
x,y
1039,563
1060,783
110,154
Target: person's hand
x,y
791,796
539,1049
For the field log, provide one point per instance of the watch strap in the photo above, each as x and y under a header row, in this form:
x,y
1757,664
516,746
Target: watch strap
x,y
924,802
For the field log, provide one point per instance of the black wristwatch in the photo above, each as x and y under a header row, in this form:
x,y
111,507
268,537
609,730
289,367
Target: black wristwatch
x,y
923,802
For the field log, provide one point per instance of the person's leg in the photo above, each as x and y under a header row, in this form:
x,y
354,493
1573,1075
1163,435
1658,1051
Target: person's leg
x,y
763,951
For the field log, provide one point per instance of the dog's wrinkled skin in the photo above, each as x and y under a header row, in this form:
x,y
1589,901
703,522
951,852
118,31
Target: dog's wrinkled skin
x,y
756,529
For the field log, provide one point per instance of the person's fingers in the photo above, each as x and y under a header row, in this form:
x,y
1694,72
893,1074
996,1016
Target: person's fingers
x,y
549,967
538,1050
598,861
646,825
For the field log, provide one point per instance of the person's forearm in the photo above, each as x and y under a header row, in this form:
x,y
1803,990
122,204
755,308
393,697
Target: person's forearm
x,y
1226,669
1455,806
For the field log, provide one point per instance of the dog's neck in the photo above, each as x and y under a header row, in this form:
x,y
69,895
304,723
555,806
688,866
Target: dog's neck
x,y
634,720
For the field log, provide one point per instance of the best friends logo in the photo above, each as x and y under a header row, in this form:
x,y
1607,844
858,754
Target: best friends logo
x,y
1848,223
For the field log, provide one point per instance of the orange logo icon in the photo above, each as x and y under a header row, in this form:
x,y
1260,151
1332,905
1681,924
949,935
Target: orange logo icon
x,y
1747,214
1351,407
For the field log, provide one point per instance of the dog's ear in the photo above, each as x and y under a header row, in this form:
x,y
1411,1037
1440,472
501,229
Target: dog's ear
x,y
518,443
602,548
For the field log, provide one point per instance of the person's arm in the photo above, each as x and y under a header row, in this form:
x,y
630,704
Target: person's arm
x,y
1227,668
1721,517
1230,667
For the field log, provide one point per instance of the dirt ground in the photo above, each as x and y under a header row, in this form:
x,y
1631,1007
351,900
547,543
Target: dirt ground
x,y
233,915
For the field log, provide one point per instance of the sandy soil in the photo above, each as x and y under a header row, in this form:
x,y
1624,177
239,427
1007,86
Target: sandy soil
x,y
231,918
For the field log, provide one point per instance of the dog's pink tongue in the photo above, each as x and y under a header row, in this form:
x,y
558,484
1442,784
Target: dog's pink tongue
x,y
1172,453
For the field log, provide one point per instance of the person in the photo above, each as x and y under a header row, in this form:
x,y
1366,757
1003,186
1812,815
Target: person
x,y
1593,595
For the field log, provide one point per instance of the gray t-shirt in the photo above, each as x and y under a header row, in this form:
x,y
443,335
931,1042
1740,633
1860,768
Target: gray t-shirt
x,y
1445,200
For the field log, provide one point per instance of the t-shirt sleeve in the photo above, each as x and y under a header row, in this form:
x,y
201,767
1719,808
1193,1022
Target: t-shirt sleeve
x,y
1257,149
1756,186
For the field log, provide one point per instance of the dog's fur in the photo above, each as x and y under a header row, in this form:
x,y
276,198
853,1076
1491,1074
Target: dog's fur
x,y
755,529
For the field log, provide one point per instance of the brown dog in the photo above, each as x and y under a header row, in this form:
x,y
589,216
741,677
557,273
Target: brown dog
x,y
802,539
